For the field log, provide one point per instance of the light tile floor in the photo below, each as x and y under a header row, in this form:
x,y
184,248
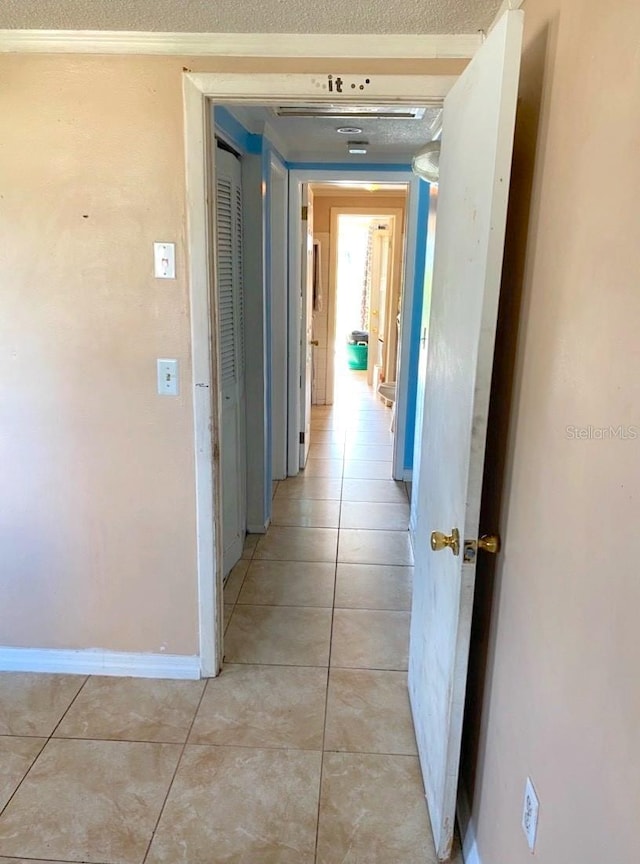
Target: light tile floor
x,y
301,752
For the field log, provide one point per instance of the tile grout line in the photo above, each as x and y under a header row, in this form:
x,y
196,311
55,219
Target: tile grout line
x,y
320,665
49,738
326,702
314,606
202,744
21,859
175,772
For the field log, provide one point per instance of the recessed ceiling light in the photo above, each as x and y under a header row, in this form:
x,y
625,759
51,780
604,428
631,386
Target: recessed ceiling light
x,y
349,130
358,148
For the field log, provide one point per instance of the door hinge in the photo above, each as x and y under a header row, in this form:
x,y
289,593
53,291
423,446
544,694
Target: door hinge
x,y
304,213
302,437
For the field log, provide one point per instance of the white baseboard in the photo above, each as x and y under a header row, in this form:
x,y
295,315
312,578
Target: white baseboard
x,y
407,475
93,662
256,528
470,853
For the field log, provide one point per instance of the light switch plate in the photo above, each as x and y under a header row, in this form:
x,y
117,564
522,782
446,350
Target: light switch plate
x,y
164,260
167,377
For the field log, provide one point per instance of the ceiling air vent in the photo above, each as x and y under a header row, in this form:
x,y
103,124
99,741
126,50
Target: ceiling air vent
x,y
371,112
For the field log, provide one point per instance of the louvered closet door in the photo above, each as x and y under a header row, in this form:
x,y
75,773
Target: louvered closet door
x,y
231,353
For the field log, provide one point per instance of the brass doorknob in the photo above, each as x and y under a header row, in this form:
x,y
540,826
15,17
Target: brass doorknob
x,y
446,541
314,342
490,543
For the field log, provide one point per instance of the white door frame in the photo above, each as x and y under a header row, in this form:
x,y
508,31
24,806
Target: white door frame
x,y
296,178
279,291
199,90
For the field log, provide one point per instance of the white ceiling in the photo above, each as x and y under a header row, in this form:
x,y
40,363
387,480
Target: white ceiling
x,y
252,16
315,139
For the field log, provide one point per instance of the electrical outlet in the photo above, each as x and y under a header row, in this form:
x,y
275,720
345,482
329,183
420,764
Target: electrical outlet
x,y
530,814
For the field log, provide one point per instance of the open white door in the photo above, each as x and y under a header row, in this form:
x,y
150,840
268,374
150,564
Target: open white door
x,y
231,339
477,142
306,324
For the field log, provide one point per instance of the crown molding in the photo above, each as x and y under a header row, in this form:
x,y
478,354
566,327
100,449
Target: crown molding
x,y
303,45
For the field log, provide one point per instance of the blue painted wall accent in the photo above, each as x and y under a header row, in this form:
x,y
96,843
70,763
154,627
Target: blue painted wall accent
x,y
241,138
416,321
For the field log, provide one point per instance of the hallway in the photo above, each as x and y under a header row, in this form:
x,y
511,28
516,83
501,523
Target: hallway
x,y
302,751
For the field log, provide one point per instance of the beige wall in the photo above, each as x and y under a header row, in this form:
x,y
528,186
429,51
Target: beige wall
x,y
561,695
97,490
97,514
323,204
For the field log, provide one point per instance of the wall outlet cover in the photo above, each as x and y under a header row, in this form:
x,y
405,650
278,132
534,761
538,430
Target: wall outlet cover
x,y
530,814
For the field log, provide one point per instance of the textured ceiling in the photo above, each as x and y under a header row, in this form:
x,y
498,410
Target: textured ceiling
x,y
307,138
252,16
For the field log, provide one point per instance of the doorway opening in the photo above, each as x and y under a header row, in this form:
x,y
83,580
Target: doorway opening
x,y
353,280
367,276
203,94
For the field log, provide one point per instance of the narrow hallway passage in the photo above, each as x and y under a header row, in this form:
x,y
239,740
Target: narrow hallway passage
x,y
301,752
317,643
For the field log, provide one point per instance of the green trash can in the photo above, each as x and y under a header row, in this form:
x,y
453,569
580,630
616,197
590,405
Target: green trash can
x,y
357,355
